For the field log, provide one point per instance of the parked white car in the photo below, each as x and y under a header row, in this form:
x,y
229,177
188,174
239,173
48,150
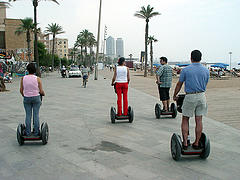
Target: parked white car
x,y
74,72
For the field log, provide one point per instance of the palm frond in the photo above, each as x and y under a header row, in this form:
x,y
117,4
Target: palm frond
x,y
154,14
139,15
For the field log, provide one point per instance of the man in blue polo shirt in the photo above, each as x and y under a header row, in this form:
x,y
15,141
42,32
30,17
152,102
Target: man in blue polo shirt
x,y
195,77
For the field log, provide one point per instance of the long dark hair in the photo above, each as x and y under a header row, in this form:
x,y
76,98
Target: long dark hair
x,y
121,60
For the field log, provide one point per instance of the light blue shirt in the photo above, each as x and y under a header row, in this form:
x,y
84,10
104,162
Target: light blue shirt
x,y
195,77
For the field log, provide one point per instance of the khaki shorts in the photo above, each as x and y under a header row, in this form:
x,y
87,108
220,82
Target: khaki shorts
x,y
194,104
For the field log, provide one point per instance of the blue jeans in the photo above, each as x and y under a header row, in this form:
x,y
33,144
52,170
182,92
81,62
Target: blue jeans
x,y
32,104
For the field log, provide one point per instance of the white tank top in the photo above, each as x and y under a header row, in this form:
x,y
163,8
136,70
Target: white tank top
x,y
121,74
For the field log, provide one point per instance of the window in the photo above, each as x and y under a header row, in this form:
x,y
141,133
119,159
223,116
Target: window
x,y
65,50
65,47
64,42
60,42
65,55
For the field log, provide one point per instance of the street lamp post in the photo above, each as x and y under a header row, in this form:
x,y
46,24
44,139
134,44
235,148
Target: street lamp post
x,y
98,37
105,34
230,56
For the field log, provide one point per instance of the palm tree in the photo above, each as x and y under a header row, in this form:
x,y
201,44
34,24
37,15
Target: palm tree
x,y
91,42
35,5
85,36
27,27
151,39
146,13
54,29
80,43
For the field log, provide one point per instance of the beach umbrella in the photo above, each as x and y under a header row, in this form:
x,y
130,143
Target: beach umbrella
x,y
218,66
157,65
182,65
222,64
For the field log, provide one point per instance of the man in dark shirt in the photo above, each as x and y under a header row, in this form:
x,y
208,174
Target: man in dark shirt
x,y
195,77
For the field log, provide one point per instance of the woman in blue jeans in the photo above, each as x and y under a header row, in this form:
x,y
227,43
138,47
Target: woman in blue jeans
x,y
31,89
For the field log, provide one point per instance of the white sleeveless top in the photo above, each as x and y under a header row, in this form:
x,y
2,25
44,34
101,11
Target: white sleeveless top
x,y
121,74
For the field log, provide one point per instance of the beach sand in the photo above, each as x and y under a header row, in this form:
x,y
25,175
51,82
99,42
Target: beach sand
x,y
223,96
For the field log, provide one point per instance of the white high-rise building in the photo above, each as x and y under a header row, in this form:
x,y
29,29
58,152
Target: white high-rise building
x,y
119,47
110,47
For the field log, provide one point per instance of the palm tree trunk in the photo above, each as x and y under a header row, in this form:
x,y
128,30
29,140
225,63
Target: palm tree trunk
x,y
53,51
146,54
28,44
82,53
151,55
36,57
91,55
86,59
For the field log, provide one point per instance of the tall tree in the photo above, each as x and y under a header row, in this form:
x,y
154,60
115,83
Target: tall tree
x,y
151,39
146,13
85,36
54,29
91,42
36,57
80,43
27,27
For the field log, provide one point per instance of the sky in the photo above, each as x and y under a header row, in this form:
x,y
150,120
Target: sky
x,y
184,25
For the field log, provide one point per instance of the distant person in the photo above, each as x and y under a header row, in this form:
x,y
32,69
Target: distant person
x,y
31,89
121,79
1,70
2,85
85,74
195,78
164,81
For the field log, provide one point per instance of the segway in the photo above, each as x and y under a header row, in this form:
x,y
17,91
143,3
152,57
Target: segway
x,y
115,117
43,136
159,112
176,141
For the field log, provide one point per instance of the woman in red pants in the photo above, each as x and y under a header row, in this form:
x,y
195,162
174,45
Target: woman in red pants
x,y
121,79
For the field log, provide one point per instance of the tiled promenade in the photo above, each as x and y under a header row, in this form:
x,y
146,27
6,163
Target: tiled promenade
x,y
83,144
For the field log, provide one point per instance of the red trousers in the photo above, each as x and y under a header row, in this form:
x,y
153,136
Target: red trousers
x,y
122,88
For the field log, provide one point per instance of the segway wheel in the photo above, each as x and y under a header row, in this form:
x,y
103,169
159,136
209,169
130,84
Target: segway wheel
x,y
157,110
173,110
131,114
45,133
175,147
113,114
206,146
20,130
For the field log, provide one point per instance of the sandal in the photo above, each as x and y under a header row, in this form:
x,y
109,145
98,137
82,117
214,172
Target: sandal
x,y
184,147
196,147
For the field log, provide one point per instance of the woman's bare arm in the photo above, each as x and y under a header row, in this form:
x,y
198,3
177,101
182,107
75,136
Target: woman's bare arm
x,y
114,76
40,87
128,75
21,87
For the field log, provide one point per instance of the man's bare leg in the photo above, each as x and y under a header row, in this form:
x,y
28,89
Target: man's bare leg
x,y
168,102
165,106
198,129
185,129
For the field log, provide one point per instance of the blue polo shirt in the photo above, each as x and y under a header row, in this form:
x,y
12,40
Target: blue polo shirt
x,y
195,77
